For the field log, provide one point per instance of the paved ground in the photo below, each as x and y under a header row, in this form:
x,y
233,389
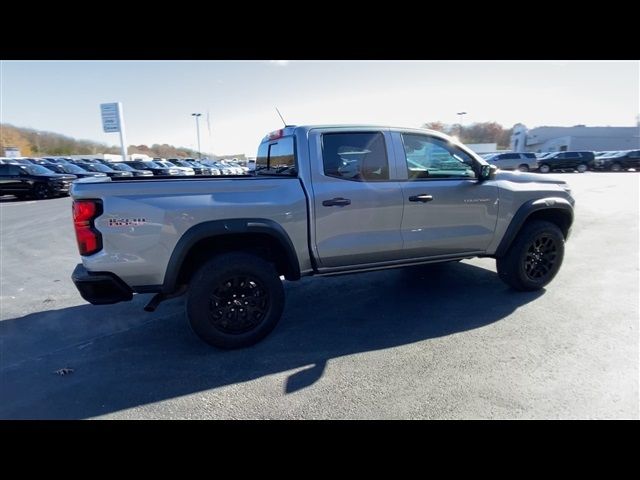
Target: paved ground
x,y
429,342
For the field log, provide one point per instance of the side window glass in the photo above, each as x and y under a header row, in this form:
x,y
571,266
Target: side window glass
x,y
433,158
360,156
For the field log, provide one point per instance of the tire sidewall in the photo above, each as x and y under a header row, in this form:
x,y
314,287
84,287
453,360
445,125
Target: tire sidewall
x,y
212,274
544,168
532,232
511,266
41,187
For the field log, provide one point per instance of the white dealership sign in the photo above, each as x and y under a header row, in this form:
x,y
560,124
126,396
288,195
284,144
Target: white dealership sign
x,y
110,117
113,121
12,152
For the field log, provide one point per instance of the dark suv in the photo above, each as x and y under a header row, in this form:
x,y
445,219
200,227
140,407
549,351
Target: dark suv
x,y
33,180
569,161
618,161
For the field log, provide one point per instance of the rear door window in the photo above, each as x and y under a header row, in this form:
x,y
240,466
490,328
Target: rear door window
x,y
359,156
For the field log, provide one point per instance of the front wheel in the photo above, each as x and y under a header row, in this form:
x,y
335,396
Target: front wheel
x,y
544,168
534,258
615,167
41,191
235,300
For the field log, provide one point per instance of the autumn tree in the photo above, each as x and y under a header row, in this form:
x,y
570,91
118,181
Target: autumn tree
x,y
480,132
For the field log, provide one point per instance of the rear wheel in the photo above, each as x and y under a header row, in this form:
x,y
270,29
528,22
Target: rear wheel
x,y
235,300
544,168
534,258
41,191
615,167
523,168
582,168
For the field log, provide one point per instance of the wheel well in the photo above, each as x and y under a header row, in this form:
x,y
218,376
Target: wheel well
x,y
260,244
561,218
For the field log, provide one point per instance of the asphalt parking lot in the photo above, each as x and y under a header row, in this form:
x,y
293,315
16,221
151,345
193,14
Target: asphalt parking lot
x,y
435,342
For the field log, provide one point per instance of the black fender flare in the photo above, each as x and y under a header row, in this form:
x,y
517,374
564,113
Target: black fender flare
x,y
525,211
216,228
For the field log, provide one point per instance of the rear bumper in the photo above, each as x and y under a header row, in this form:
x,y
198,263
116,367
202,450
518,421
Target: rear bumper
x,y
100,288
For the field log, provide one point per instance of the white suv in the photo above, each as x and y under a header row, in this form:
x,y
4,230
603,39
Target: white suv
x,y
513,161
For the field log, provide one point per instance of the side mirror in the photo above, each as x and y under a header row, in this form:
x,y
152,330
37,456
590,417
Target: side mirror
x,y
487,172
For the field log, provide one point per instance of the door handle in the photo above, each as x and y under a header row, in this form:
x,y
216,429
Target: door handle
x,y
424,198
339,201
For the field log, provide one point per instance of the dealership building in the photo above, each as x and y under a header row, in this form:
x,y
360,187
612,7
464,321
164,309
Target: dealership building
x,y
580,137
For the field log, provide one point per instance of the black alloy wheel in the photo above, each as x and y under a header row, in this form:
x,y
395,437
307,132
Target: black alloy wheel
x,y
540,258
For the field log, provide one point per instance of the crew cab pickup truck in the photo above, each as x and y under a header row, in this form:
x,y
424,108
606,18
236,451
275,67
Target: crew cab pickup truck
x,y
323,200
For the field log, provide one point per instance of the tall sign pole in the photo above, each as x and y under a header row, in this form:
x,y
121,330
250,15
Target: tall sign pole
x,y
113,121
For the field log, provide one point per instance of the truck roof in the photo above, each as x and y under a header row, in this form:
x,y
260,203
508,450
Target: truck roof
x,y
289,129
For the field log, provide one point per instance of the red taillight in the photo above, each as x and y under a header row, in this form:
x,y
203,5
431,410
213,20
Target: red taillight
x,y
84,213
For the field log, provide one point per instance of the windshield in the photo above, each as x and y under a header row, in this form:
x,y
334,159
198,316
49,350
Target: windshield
x,y
150,164
122,167
613,154
72,168
37,169
99,167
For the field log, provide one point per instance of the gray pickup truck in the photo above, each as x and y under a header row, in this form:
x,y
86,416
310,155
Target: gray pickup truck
x,y
323,200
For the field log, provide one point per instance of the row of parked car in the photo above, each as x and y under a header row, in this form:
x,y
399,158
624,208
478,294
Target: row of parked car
x,y
614,161
49,177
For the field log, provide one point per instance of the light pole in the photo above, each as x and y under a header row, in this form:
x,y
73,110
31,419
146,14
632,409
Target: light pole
x,y
461,115
197,115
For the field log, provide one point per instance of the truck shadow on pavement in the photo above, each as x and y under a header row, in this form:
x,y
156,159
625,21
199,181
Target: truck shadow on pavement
x,y
127,363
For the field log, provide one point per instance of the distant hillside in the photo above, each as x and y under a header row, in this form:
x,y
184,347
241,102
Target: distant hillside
x,y
39,143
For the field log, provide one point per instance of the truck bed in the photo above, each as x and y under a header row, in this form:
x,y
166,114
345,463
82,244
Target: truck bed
x,y
144,218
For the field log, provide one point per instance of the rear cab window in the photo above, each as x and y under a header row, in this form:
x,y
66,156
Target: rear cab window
x,y
277,157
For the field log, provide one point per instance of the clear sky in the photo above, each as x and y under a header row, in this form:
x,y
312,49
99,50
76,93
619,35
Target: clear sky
x,y
159,96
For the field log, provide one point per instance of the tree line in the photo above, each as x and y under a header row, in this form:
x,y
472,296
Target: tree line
x,y
40,143
481,132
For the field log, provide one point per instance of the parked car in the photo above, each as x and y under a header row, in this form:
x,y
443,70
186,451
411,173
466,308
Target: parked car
x,y
33,181
72,169
567,161
153,167
101,168
226,242
197,168
187,171
196,164
223,169
618,161
513,161
123,167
